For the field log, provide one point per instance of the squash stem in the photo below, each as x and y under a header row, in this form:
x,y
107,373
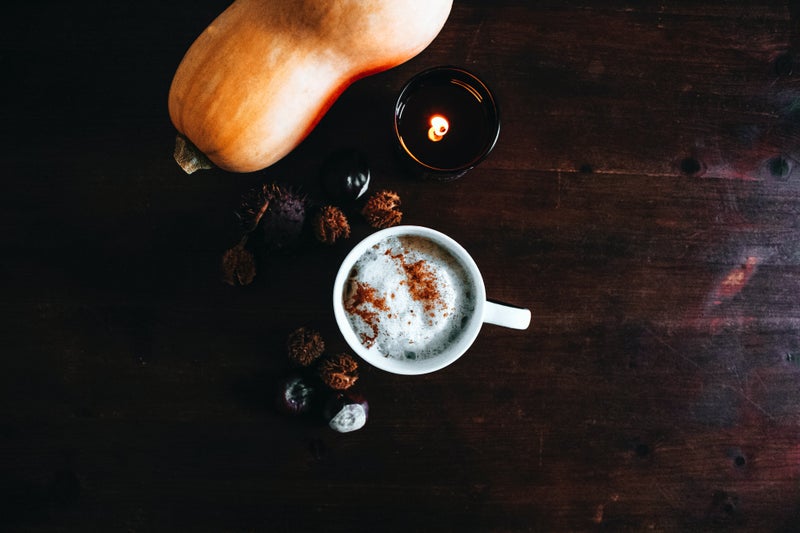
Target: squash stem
x,y
188,157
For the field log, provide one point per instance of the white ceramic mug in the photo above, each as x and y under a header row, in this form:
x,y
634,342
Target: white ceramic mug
x,y
478,312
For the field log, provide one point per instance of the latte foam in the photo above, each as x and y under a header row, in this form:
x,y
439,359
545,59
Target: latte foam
x,y
407,297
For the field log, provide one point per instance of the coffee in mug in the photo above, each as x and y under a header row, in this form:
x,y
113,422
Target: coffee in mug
x,y
407,297
411,300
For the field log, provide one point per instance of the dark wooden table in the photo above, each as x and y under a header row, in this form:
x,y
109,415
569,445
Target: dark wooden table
x,y
643,200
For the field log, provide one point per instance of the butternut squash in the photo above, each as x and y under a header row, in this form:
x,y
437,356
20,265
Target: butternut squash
x,y
261,76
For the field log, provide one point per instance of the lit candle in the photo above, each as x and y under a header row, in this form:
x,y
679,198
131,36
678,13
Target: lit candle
x,y
438,129
446,121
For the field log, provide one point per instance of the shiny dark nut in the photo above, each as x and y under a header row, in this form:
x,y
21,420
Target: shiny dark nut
x,y
346,411
346,175
295,396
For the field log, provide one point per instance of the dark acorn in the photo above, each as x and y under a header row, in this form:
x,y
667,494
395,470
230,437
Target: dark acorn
x,y
346,175
295,396
346,411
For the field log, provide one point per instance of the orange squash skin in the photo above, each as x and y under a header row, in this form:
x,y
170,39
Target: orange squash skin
x,y
261,76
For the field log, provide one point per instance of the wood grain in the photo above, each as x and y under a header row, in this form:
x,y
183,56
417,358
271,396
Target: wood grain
x,y
642,200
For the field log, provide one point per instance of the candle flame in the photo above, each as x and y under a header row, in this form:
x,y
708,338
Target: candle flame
x,y
438,129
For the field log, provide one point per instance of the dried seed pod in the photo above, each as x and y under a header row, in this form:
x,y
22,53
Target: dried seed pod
x,y
238,265
382,210
339,372
331,224
304,346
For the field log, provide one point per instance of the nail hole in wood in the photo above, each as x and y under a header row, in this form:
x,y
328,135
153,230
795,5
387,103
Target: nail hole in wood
x,y
779,167
729,508
784,65
690,166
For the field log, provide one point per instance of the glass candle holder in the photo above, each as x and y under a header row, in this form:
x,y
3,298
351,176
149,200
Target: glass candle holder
x,y
446,121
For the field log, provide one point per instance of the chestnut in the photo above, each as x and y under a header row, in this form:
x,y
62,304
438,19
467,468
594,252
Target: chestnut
x,y
346,411
345,175
295,396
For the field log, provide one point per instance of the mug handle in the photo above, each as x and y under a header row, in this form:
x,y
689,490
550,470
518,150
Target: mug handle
x,y
506,315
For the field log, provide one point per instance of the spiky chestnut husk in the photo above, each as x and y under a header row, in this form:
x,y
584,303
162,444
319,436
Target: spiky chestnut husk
x,y
346,411
279,212
330,225
295,396
382,210
282,224
304,346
